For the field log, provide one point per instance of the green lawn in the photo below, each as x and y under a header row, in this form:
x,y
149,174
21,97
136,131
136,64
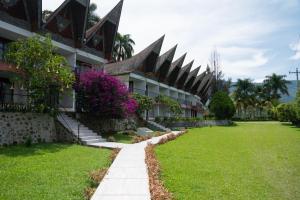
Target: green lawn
x,y
119,137
48,171
248,161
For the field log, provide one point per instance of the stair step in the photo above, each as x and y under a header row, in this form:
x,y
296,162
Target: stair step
x,y
86,135
93,141
90,137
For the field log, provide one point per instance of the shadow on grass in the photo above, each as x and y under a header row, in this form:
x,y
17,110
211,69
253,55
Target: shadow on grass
x,y
290,125
35,149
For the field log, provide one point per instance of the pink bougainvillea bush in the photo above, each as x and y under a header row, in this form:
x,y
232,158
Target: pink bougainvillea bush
x,y
103,95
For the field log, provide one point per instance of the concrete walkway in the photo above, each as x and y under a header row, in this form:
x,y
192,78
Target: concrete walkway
x,y
127,178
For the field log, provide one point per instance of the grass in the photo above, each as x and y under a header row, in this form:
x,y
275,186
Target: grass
x,y
48,171
120,137
249,161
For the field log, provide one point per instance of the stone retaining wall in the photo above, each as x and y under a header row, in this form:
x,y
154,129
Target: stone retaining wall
x,y
198,124
17,128
108,125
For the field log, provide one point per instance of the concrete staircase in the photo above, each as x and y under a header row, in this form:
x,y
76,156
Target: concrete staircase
x,y
157,127
86,136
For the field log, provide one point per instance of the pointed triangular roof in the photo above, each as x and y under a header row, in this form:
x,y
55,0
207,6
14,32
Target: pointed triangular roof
x,y
177,64
204,82
35,13
185,70
208,85
183,75
113,17
138,61
77,11
190,80
167,56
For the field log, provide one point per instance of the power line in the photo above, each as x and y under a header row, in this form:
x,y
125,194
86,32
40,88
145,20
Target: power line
x,y
297,72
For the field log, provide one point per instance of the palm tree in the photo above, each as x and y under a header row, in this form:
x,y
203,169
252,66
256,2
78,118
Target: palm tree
x,y
244,94
123,47
92,17
276,85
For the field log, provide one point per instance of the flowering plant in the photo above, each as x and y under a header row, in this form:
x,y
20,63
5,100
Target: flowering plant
x,y
103,95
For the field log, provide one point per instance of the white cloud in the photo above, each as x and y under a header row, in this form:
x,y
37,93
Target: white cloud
x,y
243,62
239,29
296,48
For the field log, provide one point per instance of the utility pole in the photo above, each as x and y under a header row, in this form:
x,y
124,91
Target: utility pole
x,y
297,72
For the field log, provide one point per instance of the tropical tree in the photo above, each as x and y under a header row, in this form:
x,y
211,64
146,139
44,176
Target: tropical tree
x,y
93,18
222,106
45,72
123,47
244,94
275,86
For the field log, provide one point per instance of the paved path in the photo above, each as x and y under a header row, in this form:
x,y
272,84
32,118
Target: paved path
x,y
127,178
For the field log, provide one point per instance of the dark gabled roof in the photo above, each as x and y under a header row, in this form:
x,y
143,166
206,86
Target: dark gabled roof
x,y
35,13
177,64
107,29
191,78
16,13
183,74
113,17
140,62
204,82
175,70
166,57
76,11
199,79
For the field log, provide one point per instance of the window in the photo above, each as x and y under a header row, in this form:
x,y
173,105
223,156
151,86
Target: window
x,y
2,49
131,86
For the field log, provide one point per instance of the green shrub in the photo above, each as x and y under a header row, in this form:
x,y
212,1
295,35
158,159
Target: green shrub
x,y
173,105
222,106
145,103
286,112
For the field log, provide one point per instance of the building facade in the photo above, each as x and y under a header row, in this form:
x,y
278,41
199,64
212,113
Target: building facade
x,y
83,48
147,73
151,74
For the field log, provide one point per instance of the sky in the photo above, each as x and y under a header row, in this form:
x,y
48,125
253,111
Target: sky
x,y
254,38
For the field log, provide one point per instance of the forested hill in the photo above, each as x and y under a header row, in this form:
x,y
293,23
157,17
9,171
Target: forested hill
x,y
292,91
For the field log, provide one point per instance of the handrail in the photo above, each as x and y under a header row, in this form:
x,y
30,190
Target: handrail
x,y
68,125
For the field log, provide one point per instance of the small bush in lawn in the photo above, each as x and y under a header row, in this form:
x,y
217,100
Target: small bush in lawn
x,y
111,139
222,106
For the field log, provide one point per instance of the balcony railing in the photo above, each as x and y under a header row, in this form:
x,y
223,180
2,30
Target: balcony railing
x,y
153,95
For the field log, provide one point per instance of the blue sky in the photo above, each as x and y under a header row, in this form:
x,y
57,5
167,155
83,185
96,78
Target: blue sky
x,y
254,37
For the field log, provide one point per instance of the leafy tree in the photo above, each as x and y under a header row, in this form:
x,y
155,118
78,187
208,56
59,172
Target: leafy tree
x,y
144,103
45,72
93,18
222,106
123,47
286,112
172,104
276,85
104,96
244,94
